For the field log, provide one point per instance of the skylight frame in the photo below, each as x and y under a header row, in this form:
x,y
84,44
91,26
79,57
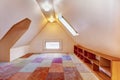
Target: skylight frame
x,y
67,25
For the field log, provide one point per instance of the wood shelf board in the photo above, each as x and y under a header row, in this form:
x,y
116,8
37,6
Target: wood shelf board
x,y
81,60
105,62
102,75
79,53
94,61
89,65
108,69
82,54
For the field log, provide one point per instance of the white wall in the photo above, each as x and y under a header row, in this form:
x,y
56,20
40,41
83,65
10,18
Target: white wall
x,y
52,31
18,52
13,11
98,23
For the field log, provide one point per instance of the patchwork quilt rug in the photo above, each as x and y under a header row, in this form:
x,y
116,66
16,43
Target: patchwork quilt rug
x,y
45,66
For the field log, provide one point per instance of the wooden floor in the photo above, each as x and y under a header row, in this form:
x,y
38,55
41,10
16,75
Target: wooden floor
x,y
46,66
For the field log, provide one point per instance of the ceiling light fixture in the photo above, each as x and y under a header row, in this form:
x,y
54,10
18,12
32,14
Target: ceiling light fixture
x,y
46,6
51,19
67,25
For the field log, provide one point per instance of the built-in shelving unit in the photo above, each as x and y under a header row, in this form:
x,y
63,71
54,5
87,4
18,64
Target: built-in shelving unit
x,y
105,67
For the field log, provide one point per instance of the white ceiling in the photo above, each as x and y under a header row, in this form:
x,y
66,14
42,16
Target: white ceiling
x,y
96,21
13,11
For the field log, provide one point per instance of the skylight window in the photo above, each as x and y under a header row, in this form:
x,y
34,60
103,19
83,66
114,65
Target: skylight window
x,y
67,26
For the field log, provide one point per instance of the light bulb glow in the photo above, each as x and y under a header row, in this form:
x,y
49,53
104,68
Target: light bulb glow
x,y
51,19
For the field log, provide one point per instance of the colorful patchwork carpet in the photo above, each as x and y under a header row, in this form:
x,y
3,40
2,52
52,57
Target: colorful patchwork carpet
x,y
46,66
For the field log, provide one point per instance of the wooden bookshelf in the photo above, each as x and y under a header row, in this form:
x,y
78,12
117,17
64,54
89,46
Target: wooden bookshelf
x,y
105,67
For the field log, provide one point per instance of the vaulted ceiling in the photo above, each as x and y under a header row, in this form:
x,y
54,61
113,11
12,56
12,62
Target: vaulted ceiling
x,y
96,21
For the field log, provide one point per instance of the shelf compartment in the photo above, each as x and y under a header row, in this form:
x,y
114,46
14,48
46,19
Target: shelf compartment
x,y
86,53
105,62
95,67
87,61
105,70
105,66
75,49
93,58
91,55
81,57
77,54
102,75
89,65
80,50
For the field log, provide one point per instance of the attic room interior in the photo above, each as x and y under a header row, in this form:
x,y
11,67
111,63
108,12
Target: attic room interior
x,y
59,40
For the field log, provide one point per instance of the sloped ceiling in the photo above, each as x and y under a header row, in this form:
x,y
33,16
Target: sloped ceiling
x,y
13,11
97,22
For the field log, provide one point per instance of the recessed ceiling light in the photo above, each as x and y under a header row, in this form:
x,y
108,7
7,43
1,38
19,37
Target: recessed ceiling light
x,y
46,6
67,25
51,19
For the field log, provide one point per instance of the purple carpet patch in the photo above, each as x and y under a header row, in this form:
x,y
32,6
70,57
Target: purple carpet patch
x,y
57,60
37,60
66,57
